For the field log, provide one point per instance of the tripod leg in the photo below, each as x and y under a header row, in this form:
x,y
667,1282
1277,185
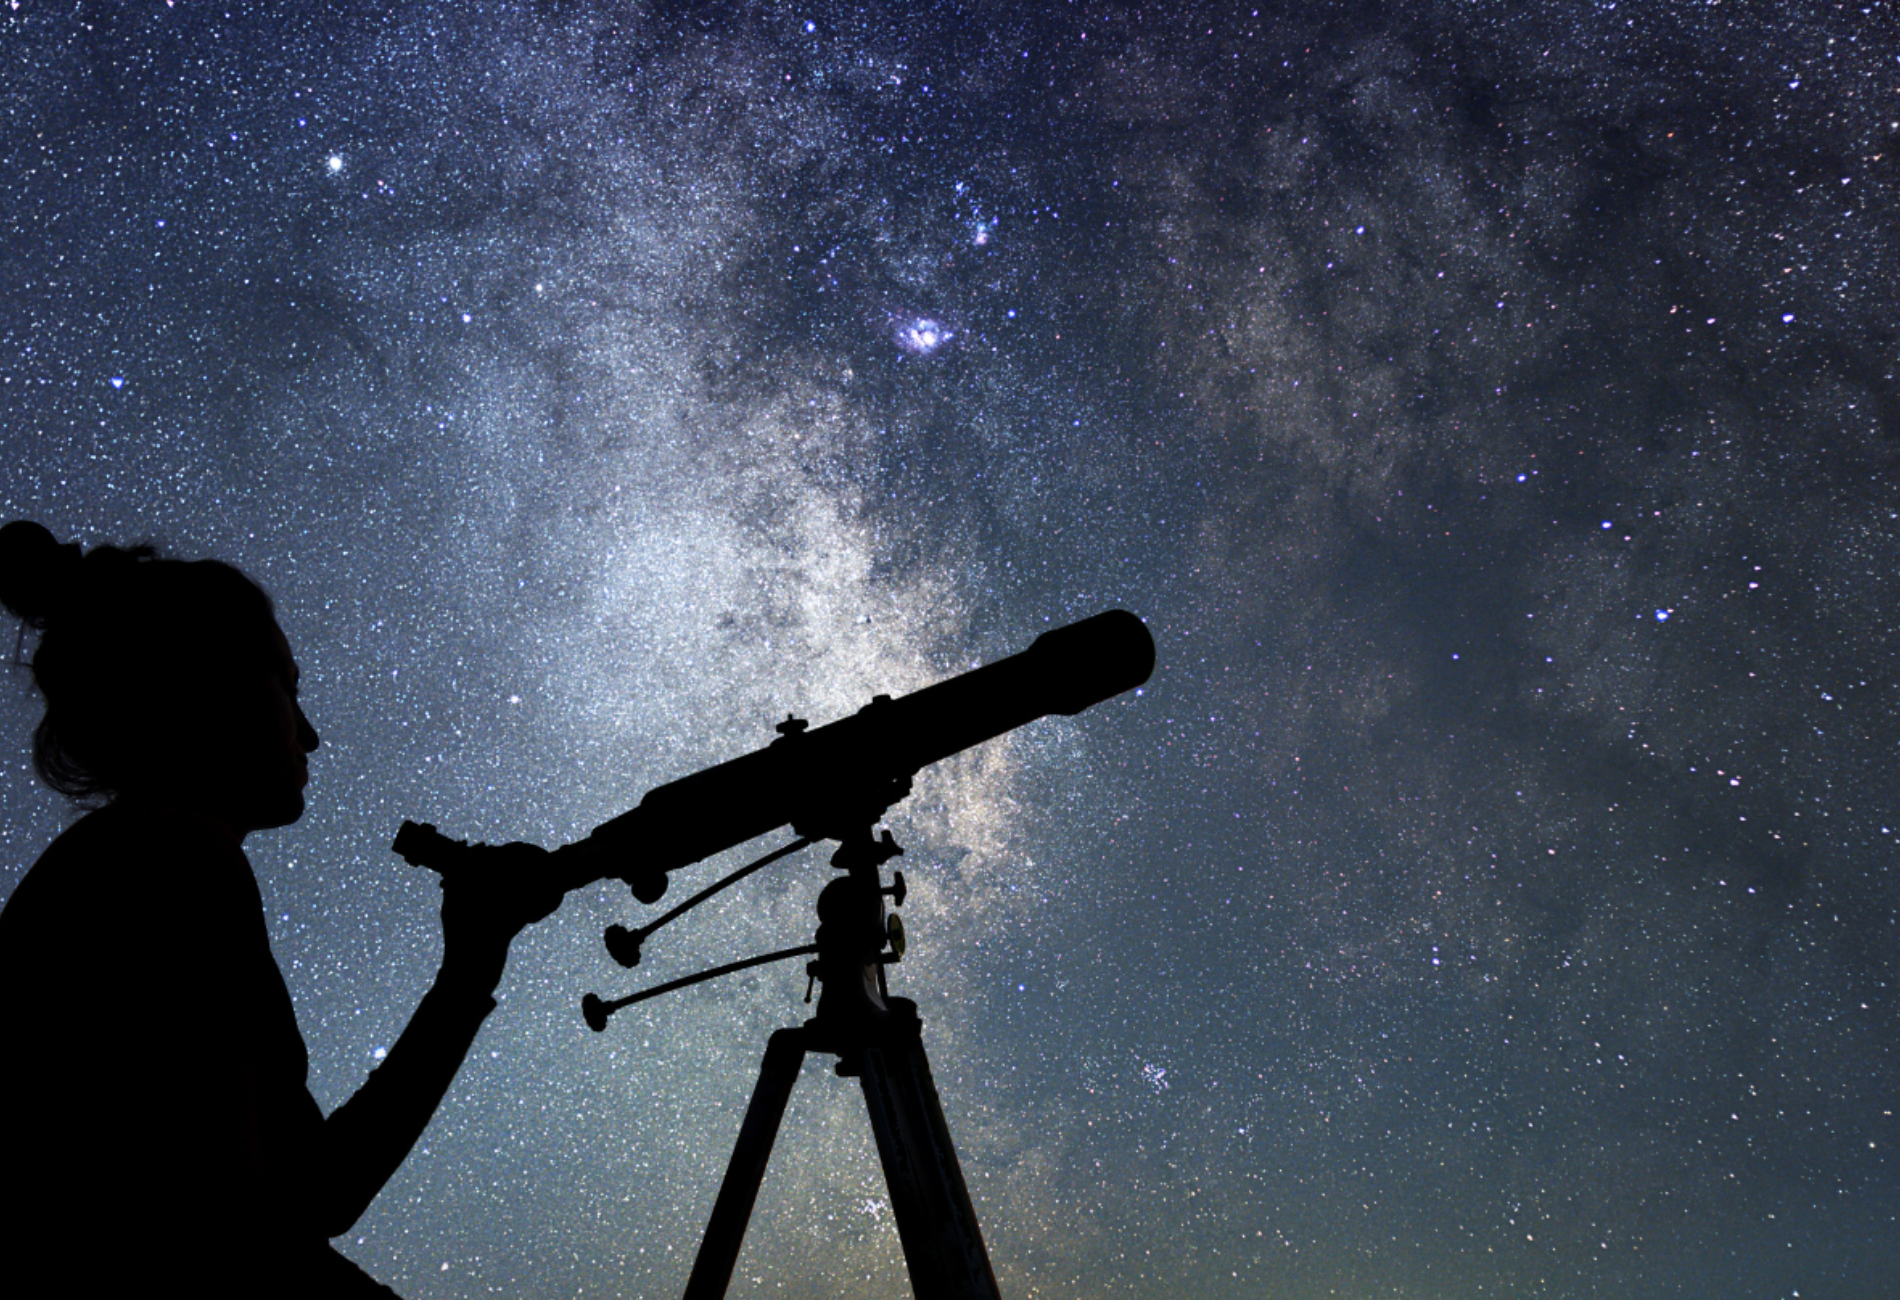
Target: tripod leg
x,y
943,1247
732,1210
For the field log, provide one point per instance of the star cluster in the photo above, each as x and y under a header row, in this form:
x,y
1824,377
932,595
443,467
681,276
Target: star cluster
x,y
1491,408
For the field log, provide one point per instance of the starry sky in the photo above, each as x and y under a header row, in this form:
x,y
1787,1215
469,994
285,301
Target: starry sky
x,y
1490,406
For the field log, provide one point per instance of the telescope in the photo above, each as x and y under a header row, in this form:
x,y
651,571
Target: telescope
x,y
834,781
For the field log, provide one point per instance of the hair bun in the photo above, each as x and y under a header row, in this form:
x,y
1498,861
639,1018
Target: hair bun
x,y
36,571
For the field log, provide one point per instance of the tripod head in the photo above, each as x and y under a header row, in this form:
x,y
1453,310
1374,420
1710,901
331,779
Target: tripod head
x,y
853,931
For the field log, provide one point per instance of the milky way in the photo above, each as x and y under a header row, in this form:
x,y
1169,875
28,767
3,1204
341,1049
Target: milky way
x,y
1490,407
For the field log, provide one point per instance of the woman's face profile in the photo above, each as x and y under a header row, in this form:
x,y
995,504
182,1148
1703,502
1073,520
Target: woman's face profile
x,y
242,743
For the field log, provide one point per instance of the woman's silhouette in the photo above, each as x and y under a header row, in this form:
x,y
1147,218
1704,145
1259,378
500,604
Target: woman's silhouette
x,y
155,1127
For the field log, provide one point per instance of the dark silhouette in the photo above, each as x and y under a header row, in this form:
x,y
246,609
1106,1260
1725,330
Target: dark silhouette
x,y
829,782
155,1127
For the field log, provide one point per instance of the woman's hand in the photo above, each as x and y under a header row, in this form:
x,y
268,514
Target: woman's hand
x,y
491,894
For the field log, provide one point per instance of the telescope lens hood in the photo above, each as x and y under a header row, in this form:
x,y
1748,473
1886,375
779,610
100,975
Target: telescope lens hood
x,y
1087,662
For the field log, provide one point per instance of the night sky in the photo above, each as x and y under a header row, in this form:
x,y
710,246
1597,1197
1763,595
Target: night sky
x,y
1491,408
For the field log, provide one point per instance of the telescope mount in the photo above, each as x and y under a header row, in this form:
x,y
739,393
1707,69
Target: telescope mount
x,y
878,1040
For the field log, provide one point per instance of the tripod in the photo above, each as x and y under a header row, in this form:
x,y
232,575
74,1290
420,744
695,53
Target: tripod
x,y
943,1248
876,1038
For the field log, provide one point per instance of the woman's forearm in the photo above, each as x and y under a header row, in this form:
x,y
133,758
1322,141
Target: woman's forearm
x,y
487,900
367,1138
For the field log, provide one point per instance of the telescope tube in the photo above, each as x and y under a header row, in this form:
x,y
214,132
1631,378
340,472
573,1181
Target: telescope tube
x,y
839,779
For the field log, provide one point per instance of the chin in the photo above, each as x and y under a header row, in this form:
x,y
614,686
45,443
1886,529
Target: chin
x,y
292,810
282,812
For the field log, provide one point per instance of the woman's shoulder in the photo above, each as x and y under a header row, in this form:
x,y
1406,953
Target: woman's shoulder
x,y
126,887
136,855
129,834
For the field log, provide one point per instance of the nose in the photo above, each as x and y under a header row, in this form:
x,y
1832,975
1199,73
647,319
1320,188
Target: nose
x,y
306,734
